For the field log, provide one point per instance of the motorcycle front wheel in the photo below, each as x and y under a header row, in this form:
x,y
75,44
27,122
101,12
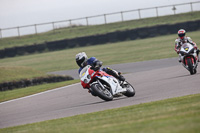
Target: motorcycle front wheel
x,y
190,66
102,92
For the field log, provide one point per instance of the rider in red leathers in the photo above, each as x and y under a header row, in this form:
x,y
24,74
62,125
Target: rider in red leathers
x,y
184,39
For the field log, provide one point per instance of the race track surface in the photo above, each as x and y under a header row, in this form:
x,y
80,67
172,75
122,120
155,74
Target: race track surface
x,y
152,80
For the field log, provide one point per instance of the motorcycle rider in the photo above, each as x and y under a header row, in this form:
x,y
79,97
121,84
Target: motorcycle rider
x,y
184,39
82,61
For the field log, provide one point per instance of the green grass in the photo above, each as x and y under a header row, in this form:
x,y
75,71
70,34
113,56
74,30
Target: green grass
x,y
8,74
111,53
18,73
176,115
80,31
172,115
17,93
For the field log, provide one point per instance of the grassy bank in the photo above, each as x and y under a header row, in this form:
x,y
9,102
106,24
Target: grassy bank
x,y
11,74
80,31
111,53
180,115
14,74
18,73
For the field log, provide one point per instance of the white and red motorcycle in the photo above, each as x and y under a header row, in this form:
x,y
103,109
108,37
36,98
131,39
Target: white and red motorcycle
x,y
189,57
104,85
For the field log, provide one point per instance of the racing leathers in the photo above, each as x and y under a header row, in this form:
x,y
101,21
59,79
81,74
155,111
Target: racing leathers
x,y
179,42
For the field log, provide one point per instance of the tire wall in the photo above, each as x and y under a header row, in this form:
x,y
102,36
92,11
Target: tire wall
x,y
31,82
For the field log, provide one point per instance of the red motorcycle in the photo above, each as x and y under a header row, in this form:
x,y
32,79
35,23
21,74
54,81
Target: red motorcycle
x,y
104,85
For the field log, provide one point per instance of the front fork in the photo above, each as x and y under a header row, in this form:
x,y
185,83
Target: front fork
x,y
101,84
192,59
194,63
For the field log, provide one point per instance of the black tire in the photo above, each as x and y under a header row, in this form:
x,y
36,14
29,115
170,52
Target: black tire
x,y
130,90
195,71
190,66
103,94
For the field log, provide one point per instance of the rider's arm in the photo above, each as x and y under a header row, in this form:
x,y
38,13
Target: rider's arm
x,y
191,42
177,46
95,63
91,61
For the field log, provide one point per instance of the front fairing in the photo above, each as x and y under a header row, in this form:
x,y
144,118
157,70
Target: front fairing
x,y
85,76
187,49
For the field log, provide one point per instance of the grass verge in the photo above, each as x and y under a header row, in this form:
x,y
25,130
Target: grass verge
x,y
17,93
111,53
79,31
180,114
18,73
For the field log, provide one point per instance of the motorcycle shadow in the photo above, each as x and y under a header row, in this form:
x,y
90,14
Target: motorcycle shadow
x,y
100,102
180,76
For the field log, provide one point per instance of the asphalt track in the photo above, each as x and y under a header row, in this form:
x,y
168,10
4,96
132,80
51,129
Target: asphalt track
x,y
152,80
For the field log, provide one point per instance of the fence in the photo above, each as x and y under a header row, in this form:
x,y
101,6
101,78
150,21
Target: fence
x,y
102,19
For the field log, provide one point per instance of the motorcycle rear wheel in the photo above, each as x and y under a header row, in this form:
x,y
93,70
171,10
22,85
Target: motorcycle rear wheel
x,y
130,90
102,93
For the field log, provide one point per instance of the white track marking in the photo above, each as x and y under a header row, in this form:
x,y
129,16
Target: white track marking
x,y
56,89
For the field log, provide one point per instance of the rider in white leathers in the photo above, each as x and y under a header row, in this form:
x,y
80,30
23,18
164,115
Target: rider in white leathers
x,y
184,39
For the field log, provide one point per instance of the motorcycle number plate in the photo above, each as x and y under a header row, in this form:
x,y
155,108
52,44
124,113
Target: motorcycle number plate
x,y
186,48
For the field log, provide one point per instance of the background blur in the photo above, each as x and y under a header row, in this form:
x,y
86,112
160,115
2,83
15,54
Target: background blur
x,y
31,13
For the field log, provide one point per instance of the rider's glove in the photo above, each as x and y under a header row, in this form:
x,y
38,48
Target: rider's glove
x,y
177,50
96,65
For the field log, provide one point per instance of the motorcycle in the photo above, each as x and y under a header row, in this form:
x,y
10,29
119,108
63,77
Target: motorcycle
x,y
189,57
104,85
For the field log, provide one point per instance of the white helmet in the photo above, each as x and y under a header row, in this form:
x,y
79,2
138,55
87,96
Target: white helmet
x,y
81,59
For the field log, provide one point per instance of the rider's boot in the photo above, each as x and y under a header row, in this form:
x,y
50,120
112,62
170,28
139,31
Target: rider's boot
x,y
198,55
121,78
179,58
198,58
114,73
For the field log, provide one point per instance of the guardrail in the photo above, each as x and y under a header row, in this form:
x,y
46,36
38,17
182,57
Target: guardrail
x,y
101,19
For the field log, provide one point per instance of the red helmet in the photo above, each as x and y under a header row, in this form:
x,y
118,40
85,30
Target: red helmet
x,y
181,33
